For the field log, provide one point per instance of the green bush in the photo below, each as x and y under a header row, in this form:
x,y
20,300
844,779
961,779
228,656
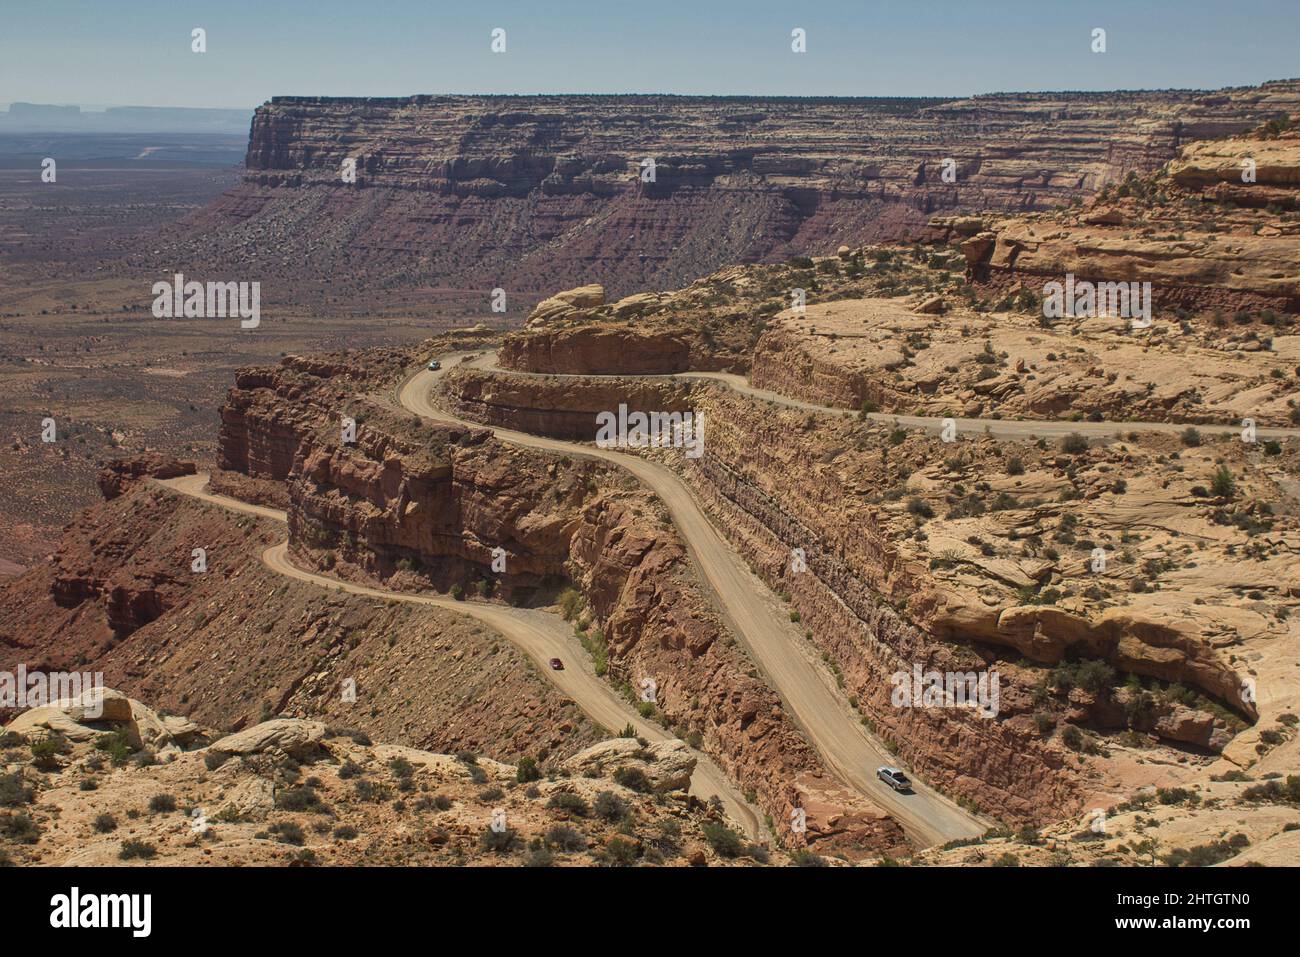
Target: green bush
x,y
571,603
610,807
568,803
1074,444
134,849
162,804
634,779
527,771
1222,484
724,841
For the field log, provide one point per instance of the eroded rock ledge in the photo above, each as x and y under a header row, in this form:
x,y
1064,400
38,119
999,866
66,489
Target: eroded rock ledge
x,y
418,504
874,611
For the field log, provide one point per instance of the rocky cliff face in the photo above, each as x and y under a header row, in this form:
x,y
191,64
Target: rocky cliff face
x,y
1213,230
418,504
877,597
527,193
239,641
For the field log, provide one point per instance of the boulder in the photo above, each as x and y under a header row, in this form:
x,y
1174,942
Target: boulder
x,y
667,764
100,710
565,303
290,735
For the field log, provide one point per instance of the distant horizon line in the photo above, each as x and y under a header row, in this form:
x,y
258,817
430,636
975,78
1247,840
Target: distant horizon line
x,y
286,97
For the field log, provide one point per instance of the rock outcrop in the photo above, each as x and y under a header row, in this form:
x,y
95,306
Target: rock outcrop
x,y
347,802
419,504
100,710
1211,231
118,473
529,193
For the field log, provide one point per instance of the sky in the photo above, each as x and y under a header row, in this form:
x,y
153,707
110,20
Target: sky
x,y
120,52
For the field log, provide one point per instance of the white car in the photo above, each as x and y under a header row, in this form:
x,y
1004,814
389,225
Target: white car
x,y
434,365
895,778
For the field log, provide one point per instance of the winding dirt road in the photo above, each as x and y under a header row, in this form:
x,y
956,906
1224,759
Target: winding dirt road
x,y
540,635
997,428
762,624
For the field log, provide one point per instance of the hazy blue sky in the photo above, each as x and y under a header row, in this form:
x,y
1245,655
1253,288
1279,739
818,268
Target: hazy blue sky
x,y
118,52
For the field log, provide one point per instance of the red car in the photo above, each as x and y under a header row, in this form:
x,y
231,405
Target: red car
x,y
557,664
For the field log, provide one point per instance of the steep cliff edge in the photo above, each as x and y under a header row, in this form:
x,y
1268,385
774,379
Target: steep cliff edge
x,y
467,194
914,558
420,505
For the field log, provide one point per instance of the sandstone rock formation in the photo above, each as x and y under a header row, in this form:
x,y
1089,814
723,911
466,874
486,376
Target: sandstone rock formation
x,y
239,642
103,709
883,593
527,193
1206,232
418,505
115,475
287,735
345,802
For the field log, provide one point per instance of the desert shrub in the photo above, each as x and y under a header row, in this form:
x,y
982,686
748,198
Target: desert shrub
x,y
116,745
162,804
45,753
499,842
401,767
1206,855
14,791
1175,795
19,828
919,507
610,807
634,779
1275,791
301,798
1222,484
1074,444
369,790
136,849
724,841
568,803
345,832
758,853
527,770
215,759
539,856
803,858
565,838
619,851
105,822
287,832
